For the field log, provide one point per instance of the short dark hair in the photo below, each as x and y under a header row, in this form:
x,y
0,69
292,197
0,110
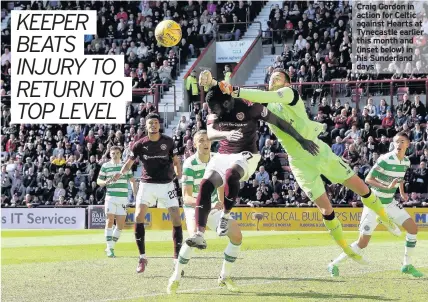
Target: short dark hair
x,y
215,96
115,148
403,134
284,72
153,115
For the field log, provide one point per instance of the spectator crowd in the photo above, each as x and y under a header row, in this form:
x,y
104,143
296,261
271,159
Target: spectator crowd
x,y
59,164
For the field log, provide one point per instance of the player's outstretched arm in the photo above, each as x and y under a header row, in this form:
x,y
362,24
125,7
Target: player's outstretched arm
x,y
286,95
286,127
216,135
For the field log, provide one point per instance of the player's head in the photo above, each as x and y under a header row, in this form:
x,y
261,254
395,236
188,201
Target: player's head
x,y
202,143
279,79
218,102
401,142
153,123
115,152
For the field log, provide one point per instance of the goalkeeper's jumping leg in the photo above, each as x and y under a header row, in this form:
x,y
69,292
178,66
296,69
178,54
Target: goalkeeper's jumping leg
x,y
335,227
356,246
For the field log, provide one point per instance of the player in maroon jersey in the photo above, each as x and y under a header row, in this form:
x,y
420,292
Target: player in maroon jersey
x,y
160,162
233,122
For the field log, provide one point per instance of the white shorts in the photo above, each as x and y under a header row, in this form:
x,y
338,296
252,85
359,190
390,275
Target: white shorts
x,y
221,162
164,194
115,205
212,223
368,221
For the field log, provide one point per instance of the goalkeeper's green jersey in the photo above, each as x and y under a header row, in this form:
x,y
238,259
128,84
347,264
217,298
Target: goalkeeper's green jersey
x,y
287,105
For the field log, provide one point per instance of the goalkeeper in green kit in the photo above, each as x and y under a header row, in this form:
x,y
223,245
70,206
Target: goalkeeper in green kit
x,y
285,102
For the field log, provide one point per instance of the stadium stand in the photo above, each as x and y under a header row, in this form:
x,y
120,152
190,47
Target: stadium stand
x,y
57,165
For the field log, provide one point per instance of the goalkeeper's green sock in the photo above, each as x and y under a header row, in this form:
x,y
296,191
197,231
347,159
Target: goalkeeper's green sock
x,y
335,227
372,202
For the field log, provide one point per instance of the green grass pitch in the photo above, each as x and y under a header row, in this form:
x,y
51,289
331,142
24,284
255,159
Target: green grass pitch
x,y
56,265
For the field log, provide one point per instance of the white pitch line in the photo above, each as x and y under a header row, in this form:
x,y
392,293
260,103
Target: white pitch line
x,y
239,285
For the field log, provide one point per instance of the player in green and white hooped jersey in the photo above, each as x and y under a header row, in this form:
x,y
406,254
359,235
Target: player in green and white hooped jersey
x,y
193,172
384,178
116,197
285,102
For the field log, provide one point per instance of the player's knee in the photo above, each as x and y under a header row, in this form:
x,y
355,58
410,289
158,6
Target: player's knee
x,y
109,222
206,187
139,218
232,176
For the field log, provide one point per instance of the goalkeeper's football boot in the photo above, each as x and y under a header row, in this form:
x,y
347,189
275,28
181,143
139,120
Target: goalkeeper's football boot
x,y
223,227
333,270
197,240
228,283
390,226
142,263
172,286
110,253
411,270
355,256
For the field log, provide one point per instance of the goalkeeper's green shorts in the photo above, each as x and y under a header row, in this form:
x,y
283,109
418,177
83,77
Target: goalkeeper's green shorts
x,y
308,170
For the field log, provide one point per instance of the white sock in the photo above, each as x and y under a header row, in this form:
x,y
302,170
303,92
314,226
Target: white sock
x,y
225,215
343,256
143,256
409,248
109,237
200,233
230,255
183,258
355,247
116,235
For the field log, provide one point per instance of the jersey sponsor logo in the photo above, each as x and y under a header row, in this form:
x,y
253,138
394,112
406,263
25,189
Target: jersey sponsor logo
x,y
310,195
146,147
280,94
264,112
163,147
366,228
146,157
240,116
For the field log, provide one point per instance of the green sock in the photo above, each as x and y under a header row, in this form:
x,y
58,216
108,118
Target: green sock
x,y
373,203
335,228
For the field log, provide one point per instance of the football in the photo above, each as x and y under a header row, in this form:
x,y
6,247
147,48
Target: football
x,y
168,33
